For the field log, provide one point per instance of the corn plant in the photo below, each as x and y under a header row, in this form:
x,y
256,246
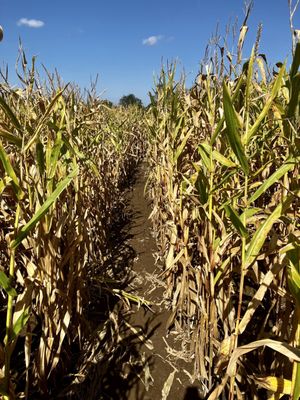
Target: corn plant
x,y
63,162
224,183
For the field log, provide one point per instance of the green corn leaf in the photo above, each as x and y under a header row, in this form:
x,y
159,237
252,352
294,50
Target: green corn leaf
x,y
5,283
179,125
276,87
10,172
249,213
221,122
236,221
202,187
294,283
72,148
296,391
223,160
205,154
232,130
218,156
20,323
262,232
274,178
296,61
24,231
293,256
9,113
295,96
217,130
40,156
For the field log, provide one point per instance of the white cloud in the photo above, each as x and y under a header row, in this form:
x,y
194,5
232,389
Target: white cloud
x,y
31,23
152,40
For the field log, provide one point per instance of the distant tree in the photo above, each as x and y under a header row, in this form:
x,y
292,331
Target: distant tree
x,y
107,103
129,100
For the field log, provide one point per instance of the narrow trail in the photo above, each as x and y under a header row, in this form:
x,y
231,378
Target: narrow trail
x,y
146,283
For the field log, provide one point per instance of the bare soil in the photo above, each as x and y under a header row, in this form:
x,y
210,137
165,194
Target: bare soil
x,y
147,283
135,359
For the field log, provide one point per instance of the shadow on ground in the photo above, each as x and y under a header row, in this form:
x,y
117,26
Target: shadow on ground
x,y
192,393
113,362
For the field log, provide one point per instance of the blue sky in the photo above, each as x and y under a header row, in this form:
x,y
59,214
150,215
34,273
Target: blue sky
x,y
126,41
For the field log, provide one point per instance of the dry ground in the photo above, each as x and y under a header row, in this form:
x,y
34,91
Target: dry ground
x,y
148,284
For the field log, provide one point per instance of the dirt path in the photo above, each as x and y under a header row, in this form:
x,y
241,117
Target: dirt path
x,y
146,283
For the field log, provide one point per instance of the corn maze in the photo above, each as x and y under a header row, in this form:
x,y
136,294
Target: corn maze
x,y
223,179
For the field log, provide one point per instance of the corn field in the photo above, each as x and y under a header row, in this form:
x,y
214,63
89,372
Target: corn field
x,y
224,183
64,161
223,180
